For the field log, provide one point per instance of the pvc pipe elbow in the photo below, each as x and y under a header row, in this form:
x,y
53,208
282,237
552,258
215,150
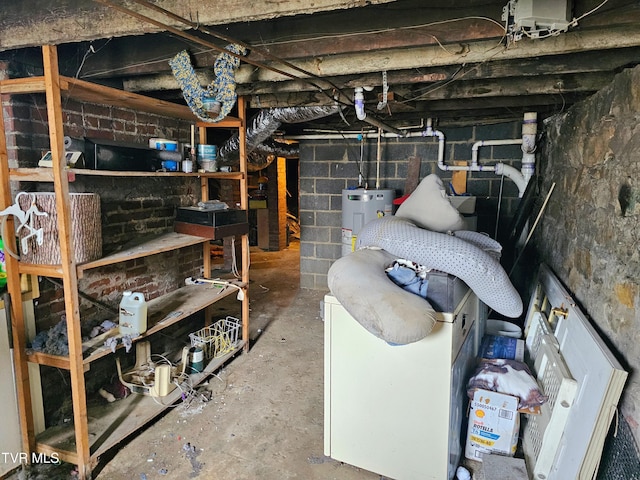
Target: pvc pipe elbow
x,y
512,174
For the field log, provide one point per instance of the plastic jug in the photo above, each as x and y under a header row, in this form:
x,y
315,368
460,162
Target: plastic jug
x,y
133,314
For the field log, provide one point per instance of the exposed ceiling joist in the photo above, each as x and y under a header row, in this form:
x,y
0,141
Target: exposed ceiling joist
x,y
450,62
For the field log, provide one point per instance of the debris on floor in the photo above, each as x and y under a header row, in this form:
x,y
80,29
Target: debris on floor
x,y
191,452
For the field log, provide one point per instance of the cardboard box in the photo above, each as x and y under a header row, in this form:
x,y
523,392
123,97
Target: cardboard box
x,y
494,424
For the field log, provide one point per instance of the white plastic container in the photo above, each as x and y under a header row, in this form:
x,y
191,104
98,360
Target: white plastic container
x,y
503,328
133,314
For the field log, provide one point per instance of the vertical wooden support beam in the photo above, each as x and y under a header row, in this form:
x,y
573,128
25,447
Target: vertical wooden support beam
x,y
206,247
281,217
67,253
244,204
17,314
204,196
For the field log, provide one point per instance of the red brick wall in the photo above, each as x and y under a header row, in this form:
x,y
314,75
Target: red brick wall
x,y
131,207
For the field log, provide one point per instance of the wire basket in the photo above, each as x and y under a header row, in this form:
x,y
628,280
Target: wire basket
x,y
217,339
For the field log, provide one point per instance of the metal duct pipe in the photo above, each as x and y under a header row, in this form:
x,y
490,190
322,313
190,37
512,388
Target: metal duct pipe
x,y
266,122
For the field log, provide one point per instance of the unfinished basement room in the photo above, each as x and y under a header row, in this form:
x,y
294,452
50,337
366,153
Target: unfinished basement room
x,y
328,240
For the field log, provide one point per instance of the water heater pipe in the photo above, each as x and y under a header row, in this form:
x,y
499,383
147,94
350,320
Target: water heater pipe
x,y
529,132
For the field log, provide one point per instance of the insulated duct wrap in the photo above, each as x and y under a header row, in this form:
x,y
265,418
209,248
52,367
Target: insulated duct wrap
x,y
262,126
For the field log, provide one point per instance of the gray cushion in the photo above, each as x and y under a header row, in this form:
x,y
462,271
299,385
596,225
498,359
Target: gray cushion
x,y
428,207
360,283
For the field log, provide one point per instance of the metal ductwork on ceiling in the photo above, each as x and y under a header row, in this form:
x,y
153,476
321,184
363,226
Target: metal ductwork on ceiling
x,y
261,148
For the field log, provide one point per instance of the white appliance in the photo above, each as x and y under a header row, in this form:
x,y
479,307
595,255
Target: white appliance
x,y
398,410
10,439
599,377
10,433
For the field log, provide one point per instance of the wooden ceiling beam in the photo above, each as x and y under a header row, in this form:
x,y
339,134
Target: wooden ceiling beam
x,y
459,54
579,62
475,89
82,20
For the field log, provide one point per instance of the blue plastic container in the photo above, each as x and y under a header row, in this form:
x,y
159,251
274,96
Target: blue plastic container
x,y
207,152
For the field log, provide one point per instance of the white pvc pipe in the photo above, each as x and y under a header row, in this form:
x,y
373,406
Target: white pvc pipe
x,y
519,178
514,175
359,103
529,131
487,143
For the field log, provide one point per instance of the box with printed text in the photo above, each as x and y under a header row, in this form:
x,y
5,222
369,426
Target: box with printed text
x,y
494,424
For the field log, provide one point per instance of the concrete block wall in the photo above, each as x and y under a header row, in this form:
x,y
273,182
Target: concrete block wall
x,y
329,165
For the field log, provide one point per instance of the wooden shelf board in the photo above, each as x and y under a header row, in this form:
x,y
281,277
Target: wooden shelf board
x,y
162,312
227,122
111,423
22,85
53,271
49,360
64,455
167,310
113,173
163,243
144,248
44,174
93,93
31,174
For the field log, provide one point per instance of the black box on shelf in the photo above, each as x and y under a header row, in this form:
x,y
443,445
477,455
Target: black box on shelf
x,y
102,154
214,224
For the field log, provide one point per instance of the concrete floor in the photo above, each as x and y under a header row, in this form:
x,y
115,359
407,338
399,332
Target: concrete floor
x,y
265,416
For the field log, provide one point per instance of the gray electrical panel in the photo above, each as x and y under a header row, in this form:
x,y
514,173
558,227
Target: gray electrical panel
x,y
536,18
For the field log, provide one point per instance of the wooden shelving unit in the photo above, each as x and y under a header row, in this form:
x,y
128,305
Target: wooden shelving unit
x,y
111,422
96,429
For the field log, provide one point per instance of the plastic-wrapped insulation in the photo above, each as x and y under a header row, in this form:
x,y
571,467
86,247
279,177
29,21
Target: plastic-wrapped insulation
x,y
263,124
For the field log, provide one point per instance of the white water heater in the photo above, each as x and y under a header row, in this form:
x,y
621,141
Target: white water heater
x,y
359,207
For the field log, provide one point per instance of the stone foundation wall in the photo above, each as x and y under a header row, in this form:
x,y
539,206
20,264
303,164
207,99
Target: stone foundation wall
x,y
590,232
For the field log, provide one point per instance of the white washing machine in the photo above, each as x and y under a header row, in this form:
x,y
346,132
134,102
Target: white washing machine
x,y
398,410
